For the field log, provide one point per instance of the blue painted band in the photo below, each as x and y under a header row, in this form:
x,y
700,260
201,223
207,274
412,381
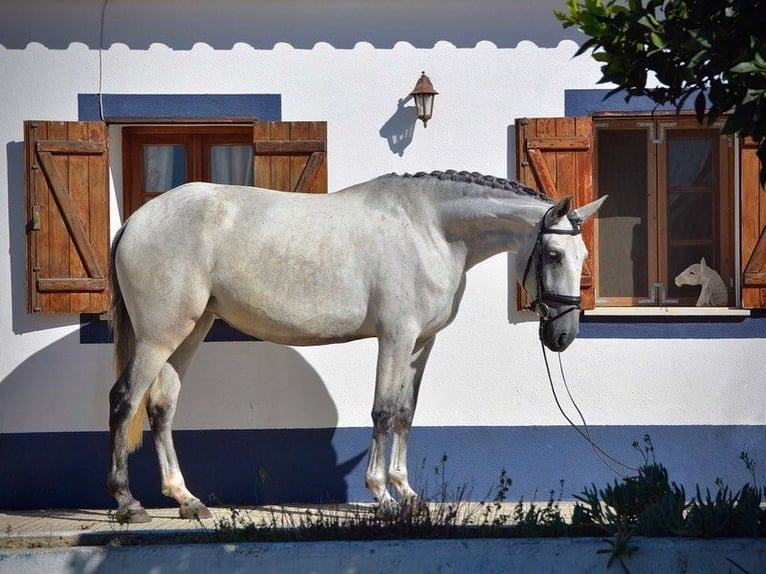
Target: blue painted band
x,y
94,330
68,469
143,107
675,327
587,102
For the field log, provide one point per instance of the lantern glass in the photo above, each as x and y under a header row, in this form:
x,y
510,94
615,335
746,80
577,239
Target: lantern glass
x,y
423,94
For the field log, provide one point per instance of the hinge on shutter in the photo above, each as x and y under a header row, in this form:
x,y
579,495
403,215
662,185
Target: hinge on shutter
x,y
34,225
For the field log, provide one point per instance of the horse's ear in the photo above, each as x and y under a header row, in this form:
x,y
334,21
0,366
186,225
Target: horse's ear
x,y
586,211
703,265
561,209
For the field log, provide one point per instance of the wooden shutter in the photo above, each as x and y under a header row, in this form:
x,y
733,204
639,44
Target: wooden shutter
x,y
290,156
67,199
555,156
752,229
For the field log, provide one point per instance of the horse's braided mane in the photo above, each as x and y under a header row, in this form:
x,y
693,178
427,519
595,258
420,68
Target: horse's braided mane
x,y
482,180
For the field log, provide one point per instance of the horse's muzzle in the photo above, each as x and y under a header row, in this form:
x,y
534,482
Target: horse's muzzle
x,y
559,327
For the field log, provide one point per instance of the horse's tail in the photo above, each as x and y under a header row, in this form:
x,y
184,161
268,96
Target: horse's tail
x,y
124,343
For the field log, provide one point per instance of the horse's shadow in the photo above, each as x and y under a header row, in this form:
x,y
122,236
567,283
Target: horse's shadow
x,y
255,425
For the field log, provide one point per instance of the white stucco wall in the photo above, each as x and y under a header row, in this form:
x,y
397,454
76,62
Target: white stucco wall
x,y
486,368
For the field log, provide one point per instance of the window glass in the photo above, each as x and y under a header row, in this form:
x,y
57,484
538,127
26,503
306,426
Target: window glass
x,y
622,175
164,167
231,164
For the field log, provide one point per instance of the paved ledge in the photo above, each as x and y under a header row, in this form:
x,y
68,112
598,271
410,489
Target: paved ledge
x,y
91,542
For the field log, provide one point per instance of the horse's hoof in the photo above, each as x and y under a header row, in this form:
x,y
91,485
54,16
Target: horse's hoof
x,y
195,510
132,514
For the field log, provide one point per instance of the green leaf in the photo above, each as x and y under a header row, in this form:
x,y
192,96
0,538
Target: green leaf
x,y
745,68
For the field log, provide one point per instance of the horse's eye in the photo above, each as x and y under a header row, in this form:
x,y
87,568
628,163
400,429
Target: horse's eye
x,y
554,256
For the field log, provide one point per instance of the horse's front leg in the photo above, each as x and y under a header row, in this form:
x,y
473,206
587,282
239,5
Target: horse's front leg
x,y
394,402
397,471
162,399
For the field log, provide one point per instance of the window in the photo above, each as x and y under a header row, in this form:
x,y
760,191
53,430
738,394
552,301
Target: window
x,y
676,194
285,156
669,183
157,159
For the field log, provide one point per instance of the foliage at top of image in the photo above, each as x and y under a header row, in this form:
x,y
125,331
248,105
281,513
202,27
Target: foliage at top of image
x,y
671,50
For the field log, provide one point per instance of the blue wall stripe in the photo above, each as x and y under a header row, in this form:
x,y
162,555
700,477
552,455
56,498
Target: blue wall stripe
x,y
68,469
587,102
141,107
94,330
674,327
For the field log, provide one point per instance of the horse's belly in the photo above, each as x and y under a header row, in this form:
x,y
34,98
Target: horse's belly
x,y
296,322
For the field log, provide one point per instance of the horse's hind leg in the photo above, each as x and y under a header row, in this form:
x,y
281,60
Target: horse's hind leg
x,y
161,404
125,400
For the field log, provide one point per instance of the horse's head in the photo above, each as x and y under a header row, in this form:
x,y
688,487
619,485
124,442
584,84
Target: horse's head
x,y
692,275
551,271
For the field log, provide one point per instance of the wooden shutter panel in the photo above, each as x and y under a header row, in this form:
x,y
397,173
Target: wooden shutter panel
x,y
290,156
555,156
752,229
67,198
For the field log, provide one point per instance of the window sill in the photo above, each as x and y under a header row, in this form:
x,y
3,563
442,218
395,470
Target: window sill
x,y
667,312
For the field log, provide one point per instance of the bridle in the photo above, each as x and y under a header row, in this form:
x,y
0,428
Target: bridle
x,y
542,303
542,306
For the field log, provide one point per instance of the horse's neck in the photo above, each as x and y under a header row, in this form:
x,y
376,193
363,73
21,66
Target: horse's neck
x,y
487,228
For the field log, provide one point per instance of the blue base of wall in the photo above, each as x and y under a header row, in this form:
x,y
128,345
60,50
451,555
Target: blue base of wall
x,y
68,470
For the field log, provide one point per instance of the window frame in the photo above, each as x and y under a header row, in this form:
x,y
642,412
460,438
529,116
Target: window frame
x,y
198,139
659,126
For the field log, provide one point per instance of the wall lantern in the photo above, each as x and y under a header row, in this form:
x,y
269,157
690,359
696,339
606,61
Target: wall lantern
x,y
424,94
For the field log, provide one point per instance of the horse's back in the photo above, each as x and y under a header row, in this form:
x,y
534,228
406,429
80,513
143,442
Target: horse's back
x,y
295,268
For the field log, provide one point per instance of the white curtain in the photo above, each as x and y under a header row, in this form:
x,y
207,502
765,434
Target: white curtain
x,y
158,167
231,164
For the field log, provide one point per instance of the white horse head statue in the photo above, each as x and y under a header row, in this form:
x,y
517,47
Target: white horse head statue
x,y
713,292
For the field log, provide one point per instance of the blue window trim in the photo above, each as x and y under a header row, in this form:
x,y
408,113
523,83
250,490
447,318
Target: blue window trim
x,y
589,102
145,107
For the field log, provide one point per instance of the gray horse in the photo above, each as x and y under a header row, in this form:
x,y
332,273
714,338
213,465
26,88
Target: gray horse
x,y
385,259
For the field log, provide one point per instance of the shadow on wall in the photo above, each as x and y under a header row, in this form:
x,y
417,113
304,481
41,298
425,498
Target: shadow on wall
x,y
399,128
290,456
341,23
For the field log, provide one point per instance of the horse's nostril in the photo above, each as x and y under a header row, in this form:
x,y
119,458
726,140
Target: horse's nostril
x,y
563,340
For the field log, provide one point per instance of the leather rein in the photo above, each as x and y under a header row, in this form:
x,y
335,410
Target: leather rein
x,y
541,305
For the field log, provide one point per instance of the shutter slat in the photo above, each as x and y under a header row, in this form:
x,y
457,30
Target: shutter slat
x,y
290,156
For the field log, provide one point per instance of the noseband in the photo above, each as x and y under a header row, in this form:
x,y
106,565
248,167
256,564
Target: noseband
x,y
542,303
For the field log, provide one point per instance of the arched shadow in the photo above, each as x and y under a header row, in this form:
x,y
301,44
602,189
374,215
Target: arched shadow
x,y
400,127
266,421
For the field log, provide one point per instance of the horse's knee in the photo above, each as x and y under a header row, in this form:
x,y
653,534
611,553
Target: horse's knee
x,y
382,418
